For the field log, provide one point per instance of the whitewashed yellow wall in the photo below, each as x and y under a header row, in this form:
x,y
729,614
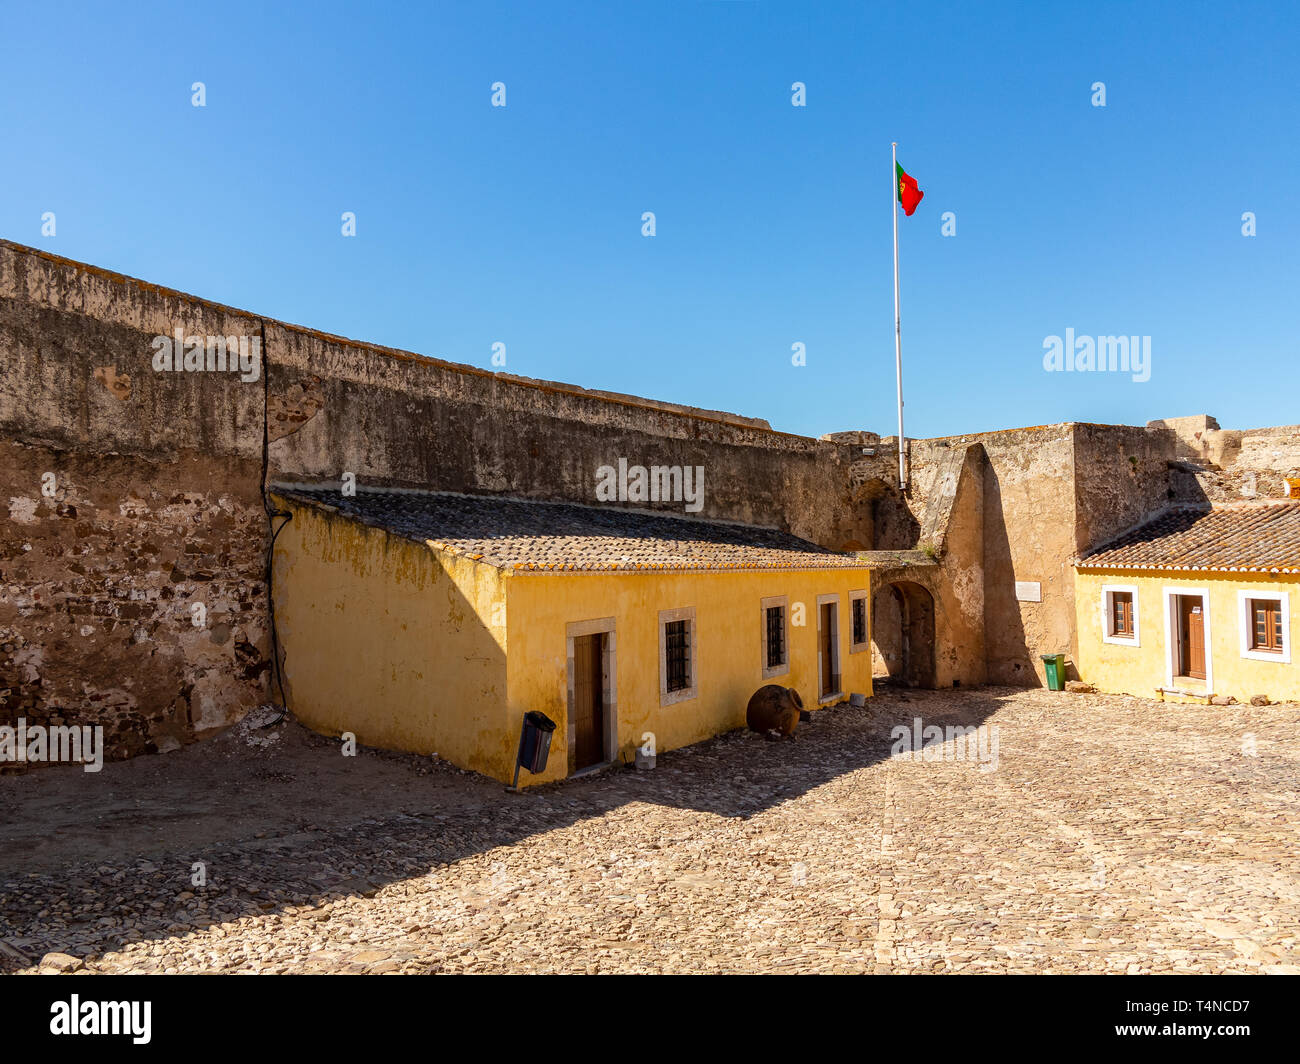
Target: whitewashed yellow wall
x,y
1142,669
728,646
412,648
392,640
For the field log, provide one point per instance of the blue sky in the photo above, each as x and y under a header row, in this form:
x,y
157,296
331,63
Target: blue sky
x,y
522,225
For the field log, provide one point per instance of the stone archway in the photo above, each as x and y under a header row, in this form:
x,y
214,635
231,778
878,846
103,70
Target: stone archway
x,y
902,635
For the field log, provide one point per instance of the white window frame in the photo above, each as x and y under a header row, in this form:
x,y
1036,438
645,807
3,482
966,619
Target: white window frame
x,y
1108,615
865,596
770,603
1247,624
832,696
666,697
1171,633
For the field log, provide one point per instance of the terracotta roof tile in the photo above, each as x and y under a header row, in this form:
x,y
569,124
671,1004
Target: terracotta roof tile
x,y
531,536
1239,537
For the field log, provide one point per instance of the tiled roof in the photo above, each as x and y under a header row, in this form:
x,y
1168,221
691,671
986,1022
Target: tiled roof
x,y
897,559
1239,537
541,536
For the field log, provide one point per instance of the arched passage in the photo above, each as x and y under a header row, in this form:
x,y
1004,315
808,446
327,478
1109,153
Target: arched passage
x,y
902,634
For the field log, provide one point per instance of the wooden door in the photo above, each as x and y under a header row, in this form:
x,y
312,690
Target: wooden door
x,y
826,650
1192,628
588,700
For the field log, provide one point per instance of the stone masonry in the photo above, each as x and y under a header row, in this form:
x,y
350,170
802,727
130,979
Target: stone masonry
x,y
133,560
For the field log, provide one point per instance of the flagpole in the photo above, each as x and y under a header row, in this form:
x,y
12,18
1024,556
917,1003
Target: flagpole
x,y
898,324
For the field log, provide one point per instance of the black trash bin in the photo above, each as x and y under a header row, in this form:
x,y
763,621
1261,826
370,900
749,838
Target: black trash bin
x,y
535,742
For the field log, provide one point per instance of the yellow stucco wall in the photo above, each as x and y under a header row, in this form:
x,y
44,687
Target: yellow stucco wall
x,y
405,645
728,629
391,640
1140,670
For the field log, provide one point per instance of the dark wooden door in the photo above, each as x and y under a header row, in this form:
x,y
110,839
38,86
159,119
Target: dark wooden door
x,y
588,701
826,650
1192,626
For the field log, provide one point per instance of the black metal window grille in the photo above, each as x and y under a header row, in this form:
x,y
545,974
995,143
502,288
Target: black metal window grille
x,y
859,621
775,636
677,648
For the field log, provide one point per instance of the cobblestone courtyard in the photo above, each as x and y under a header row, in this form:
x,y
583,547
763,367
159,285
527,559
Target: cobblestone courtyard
x,y
1115,835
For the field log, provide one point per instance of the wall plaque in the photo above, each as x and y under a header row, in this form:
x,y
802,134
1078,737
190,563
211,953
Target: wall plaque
x,y
1029,591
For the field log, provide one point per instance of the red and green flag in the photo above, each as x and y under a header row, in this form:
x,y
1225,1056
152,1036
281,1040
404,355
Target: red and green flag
x,y
908,194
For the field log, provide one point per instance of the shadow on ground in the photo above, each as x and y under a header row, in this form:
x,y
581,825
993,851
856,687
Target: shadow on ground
x,y
278,818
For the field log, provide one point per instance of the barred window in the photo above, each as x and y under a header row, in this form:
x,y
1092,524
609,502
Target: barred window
x,y
775,636
678,660
678,654
859,620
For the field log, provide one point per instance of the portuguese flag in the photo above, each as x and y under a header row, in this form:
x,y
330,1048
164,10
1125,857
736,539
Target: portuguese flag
x,y
908,194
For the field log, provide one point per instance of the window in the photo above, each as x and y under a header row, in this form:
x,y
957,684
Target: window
x,y
775,635
678,637
677,655
1121,613
1119,604
1265,625
859,604
1266,631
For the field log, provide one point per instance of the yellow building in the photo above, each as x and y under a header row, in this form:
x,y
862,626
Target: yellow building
x,y
432,622
1195,604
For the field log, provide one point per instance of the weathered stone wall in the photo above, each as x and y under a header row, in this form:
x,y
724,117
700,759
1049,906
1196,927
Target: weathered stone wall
x,y
1024,525
949,567
129,496
1272,454
1227,465
1047,493
1053,492
1028,538
154,496
394,419
890,523
961,656
98,589
1121,479
133,495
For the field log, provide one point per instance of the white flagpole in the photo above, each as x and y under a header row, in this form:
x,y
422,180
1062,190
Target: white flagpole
x,y
898,324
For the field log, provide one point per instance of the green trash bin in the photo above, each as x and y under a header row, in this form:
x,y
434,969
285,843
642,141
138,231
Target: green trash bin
x,y
1054,666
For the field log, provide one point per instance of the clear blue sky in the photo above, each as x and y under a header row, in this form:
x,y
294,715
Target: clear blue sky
x,y
522,224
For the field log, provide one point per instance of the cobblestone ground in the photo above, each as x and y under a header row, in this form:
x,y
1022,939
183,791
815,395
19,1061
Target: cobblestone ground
x,y
1115,835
